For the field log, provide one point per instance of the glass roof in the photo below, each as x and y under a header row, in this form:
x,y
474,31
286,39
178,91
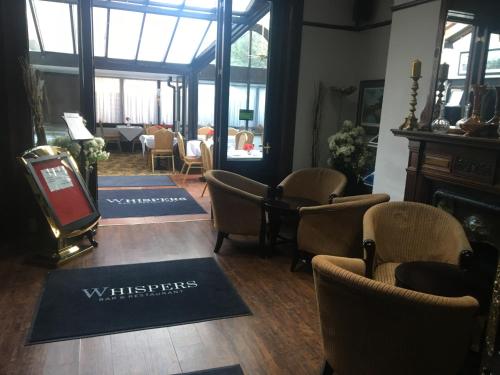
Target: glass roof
x,y
162,31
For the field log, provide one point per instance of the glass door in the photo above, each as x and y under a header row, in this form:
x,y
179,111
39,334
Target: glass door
x,y
243,142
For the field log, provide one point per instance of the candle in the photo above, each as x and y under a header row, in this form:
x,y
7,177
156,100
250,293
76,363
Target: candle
x,y
416,67
443,72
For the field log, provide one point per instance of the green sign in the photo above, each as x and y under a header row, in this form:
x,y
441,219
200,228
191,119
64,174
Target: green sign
x,y
246,114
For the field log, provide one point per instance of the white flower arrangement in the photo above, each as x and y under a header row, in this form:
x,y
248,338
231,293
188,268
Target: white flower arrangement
x,y
348,151
93,149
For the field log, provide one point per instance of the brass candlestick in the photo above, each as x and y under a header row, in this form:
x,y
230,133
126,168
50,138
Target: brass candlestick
x,y
411,122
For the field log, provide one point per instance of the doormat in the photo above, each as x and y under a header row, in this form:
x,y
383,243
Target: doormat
x,y
147,202
227,370
97,301
134,181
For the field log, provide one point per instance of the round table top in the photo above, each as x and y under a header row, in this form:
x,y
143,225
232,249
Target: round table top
x,y
289,203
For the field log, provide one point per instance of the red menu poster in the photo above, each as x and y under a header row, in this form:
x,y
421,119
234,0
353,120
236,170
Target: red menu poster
x,y
63,190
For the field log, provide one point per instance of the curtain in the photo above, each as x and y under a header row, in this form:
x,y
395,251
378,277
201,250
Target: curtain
x,y
139,101
107,98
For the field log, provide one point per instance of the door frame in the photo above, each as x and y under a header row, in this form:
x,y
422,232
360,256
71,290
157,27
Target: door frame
x,y
281,92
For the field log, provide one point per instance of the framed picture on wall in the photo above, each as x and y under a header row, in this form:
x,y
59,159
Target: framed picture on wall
x,y
371,94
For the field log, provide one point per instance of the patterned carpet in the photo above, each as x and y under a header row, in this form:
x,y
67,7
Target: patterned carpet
x,y
128,164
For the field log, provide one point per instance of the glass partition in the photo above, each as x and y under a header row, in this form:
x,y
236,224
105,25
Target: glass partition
x,y
247,92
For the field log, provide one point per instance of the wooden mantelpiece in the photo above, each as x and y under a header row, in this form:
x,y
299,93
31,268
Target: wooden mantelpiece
x,y
465,162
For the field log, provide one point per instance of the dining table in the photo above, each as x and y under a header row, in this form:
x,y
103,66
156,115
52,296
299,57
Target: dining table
x,y
130,132
193,147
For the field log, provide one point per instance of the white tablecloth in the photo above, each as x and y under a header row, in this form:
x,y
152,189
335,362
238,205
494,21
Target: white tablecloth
x,y
130,132
192,147
242,154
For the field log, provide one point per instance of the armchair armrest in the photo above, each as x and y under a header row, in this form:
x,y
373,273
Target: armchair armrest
x,y
369,246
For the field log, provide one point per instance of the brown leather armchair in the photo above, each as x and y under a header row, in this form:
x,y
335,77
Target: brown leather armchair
x,y
337,228
369,327
397,232
320,185
237,205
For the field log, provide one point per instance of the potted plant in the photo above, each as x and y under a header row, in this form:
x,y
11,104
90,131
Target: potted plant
x,y
350,155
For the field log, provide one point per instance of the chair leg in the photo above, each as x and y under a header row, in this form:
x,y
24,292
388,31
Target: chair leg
x,y
173,164
120,146
187,172
218,244
327,369
205,188
152,162
295,260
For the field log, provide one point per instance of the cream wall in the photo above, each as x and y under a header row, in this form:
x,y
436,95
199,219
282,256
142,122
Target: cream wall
x,y
337,58
413,35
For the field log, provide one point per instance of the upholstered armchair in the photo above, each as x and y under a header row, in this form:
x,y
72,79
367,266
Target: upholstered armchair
x,y
335,229
397,232
237,205
320,185
369,327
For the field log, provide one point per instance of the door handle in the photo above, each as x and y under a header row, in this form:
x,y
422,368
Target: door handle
x,y
266,148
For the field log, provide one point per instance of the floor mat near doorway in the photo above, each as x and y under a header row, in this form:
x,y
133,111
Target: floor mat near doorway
x,y
227,370
147,202
134,181
97,301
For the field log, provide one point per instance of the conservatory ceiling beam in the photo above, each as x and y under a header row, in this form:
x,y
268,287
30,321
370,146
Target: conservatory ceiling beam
x,y
70,60
143,8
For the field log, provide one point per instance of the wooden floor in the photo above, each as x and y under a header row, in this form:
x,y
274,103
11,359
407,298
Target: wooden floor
x,y
281,337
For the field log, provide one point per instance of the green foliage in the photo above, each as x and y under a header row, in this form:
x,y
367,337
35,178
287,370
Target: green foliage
x,y
349,152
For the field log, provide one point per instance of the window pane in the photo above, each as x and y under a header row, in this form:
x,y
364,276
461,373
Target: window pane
x,y
241,5
239,51
202,4
175,3
209,39
74,10
99,23
139,99
107,100
259,51
206,106
55,26
166,104
156,35
124,29
187,38
32,37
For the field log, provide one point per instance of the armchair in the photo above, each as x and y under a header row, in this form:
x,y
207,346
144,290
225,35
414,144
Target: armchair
x,y
369,327
397,232
335,229
316,184
237,205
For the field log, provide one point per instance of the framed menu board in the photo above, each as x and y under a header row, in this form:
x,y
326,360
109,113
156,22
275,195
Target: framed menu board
x,y
62,194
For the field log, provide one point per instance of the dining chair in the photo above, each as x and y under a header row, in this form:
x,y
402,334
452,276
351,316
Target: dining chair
x,y
232,131
110,135
205,131
163,148
369,327
241,138
207,160
188,161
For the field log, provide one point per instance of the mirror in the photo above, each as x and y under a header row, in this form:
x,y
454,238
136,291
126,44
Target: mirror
x,y
467,71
